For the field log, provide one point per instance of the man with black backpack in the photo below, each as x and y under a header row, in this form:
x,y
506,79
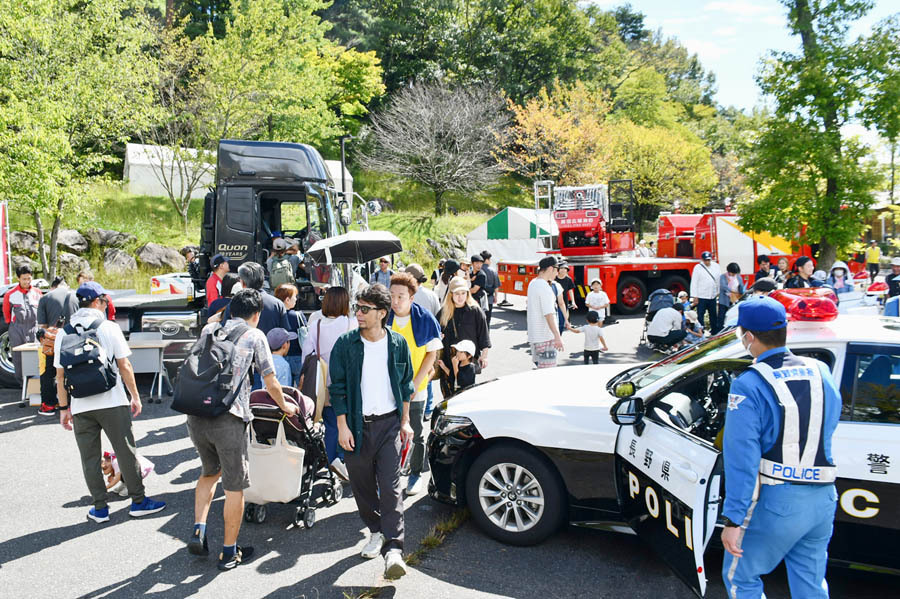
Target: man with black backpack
x,y
91,359
217,421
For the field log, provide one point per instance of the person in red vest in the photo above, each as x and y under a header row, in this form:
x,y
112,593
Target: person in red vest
x,y
220,266
20,311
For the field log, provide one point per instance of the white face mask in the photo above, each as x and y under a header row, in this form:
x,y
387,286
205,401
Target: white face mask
x,y
838,272
740,338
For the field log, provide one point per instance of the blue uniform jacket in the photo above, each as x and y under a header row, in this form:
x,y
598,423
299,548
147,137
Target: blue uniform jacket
x,y
752,424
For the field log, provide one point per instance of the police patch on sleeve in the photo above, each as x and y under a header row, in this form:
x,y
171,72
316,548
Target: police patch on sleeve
x,y
734,400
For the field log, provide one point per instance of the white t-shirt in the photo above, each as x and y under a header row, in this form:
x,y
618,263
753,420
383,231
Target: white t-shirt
x,y
541,302
375,384
114,344
592,336
428,299
597,300
664,322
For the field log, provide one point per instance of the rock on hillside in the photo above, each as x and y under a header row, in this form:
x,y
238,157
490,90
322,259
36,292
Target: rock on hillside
x,y
72,240
159,256
69,264
118,262
108,238
22,242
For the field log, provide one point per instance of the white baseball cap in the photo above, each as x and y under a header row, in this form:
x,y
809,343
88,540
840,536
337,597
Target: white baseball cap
x,y
895,261
466,346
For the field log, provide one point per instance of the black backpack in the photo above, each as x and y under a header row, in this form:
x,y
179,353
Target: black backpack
x,y
203,386
87,369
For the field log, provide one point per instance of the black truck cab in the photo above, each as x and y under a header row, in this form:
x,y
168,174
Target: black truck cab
x,y
262,188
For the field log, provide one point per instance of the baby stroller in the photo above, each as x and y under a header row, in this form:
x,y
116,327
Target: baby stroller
x,y
286,456
659,299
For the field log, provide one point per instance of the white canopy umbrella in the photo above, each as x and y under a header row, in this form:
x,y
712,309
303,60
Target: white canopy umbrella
x,y
354,247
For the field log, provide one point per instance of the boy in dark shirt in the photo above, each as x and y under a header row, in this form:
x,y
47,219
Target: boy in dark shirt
x,y
463,368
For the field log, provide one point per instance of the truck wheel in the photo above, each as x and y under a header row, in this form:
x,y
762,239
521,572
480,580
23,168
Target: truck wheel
x,y
515,496
631,295
7,372
675,284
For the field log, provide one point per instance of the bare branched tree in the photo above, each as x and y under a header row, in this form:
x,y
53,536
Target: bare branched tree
x,y
178,144
443,138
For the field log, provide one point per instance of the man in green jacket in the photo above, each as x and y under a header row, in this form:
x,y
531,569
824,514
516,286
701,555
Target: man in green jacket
x,y
371,387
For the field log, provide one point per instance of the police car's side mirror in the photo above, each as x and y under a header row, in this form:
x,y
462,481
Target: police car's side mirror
x,y
628,411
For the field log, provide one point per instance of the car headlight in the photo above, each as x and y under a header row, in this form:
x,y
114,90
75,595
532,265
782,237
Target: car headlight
x,y
447,425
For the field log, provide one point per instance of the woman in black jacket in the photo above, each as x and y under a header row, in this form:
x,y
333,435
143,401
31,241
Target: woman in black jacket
x,y
462,318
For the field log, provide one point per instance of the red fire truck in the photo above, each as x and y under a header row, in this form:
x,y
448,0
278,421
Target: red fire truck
x,y
596,238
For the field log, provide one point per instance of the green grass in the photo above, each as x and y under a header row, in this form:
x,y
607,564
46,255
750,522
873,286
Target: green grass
x,y
411,196
413,228
153,219
436,535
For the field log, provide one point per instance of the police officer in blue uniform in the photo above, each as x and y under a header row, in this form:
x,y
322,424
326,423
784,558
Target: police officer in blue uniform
x,y
779,476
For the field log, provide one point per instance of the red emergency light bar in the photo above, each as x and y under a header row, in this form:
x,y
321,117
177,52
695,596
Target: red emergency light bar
x,y
810,304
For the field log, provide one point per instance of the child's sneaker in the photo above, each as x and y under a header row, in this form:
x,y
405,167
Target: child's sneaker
x,y
99,515
241,555
146,507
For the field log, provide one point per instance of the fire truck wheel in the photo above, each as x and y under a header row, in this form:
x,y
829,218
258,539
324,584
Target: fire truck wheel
x,y
675,284
631,295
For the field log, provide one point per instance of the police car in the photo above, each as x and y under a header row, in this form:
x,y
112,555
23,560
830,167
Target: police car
x,y
638,447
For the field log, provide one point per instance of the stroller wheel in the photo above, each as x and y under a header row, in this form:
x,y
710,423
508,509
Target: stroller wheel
x,y
309,518
249,510
261,514
337,492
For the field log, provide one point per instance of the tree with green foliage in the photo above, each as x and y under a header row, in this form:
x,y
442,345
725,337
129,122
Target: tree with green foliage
x,y
665,166
445,139
808,178
273,75
76,83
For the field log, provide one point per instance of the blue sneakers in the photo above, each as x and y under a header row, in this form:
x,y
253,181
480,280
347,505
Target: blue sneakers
x,y
146,507
99,515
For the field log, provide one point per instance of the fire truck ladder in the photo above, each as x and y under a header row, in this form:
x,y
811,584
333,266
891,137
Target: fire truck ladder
x,y
543,215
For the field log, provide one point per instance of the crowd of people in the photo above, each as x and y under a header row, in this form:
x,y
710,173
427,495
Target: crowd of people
x,y
375,354
713,293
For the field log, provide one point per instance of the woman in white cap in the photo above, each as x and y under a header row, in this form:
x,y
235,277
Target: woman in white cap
x,y
462,318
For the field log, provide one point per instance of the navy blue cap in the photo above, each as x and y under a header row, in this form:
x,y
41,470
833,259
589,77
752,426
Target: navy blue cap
x,y
217,260
90,290
706,255
761,314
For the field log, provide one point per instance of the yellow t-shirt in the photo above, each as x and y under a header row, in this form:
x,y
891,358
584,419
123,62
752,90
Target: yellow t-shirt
x,y
873,255
416,353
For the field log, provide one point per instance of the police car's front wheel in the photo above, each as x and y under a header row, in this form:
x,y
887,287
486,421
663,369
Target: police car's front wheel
x,y
515,495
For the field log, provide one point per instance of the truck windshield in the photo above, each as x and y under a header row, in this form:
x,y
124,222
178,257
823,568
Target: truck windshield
x,y
294,216
701,351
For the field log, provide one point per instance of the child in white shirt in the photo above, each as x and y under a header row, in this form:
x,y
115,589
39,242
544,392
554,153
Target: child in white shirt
x,y
594,343
597,300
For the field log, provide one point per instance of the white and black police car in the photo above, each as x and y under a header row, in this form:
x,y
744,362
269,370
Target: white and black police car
x,y
638,447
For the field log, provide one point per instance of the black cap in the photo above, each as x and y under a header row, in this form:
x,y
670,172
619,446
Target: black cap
x,y
476,258
451,266
545,263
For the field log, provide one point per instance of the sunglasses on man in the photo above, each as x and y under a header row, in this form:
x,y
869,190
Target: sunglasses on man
x,y
363,309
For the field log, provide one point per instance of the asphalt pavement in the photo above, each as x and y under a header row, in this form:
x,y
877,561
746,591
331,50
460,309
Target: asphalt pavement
x,y
48,549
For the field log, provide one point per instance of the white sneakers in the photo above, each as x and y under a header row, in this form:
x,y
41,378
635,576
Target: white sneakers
x,y
339,468
373,547
415,484
394,566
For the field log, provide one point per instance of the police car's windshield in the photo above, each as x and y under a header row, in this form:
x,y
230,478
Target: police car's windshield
x,y
656,371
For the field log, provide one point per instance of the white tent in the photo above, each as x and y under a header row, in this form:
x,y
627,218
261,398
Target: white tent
x,y
146,164
511,235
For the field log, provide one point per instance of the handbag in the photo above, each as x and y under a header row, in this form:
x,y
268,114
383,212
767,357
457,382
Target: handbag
x,y
734,297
